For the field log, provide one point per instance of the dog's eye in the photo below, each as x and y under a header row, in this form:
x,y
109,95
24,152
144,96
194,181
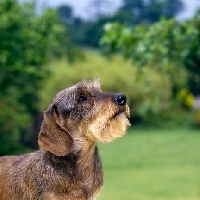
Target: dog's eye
x,y
82,98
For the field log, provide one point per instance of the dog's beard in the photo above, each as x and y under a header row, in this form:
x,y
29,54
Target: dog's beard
x,y
108,129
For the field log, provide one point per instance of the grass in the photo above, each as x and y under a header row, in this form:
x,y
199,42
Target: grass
x,y
152,165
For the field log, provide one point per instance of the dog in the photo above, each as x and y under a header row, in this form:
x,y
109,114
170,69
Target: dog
x,y
67,165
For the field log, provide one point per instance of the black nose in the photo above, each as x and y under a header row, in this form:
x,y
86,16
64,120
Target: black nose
x,y
120,99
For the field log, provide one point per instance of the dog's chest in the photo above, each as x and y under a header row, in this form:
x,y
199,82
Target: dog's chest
x,y
86,189
77,179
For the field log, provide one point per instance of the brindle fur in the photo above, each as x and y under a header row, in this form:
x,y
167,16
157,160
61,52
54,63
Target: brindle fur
x,y
67,166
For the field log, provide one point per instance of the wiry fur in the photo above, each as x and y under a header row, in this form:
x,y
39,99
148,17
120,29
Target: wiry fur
x,y
67,165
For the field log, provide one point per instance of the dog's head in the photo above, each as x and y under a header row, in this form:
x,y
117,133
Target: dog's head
x,y
82,112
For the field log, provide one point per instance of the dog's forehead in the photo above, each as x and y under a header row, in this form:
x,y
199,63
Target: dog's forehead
x,y
72,91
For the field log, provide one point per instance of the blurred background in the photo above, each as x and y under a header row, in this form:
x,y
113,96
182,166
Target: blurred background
x,y
147,49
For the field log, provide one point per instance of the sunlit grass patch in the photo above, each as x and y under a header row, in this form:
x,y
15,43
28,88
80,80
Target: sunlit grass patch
x,y
151,165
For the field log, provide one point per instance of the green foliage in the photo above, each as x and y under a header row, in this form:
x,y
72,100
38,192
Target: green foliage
x,y
145,94
169,46
27,42
192,59
160,43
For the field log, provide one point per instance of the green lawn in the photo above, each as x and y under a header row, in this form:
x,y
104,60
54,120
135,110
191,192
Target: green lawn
x,y
152,165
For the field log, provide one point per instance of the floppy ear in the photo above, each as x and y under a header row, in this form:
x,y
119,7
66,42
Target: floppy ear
x,y
53,136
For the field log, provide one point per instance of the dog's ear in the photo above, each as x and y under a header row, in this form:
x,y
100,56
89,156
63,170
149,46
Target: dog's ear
x,y
53,136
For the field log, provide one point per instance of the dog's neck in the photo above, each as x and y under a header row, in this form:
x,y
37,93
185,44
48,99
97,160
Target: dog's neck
x,y
89,167
81,162
84,149
82,169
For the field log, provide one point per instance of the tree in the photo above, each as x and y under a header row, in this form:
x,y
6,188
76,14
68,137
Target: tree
x,y
88,32
94,31
147,12
98,8
27,43
171,8
170,47
66,13
192,58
